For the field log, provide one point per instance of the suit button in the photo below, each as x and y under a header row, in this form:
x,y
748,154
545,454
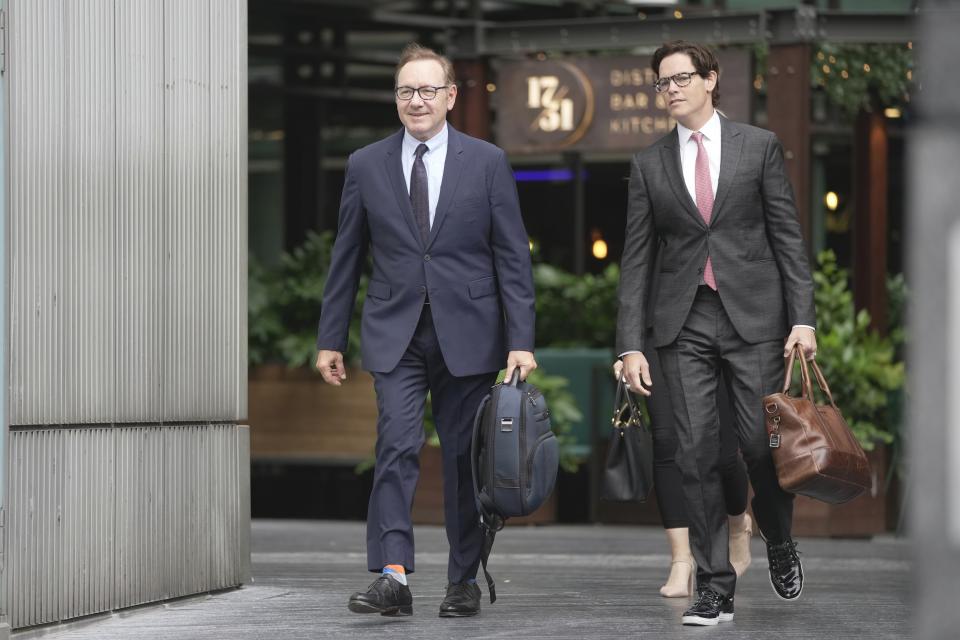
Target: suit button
x,y
423,289
426,258
699,270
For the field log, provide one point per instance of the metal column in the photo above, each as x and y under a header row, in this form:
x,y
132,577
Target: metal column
x,y
4,417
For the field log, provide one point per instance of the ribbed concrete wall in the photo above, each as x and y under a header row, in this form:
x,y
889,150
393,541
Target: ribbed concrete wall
x,y
101,518
125,211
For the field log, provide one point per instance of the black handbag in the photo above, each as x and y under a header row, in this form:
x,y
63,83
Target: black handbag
x,y
628,472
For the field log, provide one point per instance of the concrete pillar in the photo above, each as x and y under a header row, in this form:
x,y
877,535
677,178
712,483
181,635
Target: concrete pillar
x,y
934,325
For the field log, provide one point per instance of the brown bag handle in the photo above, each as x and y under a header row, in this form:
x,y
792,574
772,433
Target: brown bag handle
x,y
807,385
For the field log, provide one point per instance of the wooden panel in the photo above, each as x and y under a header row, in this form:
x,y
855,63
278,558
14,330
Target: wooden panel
x,y
788,116
294,414
471,114
870,222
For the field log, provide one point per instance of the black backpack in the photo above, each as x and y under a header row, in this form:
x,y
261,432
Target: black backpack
x,y
514,455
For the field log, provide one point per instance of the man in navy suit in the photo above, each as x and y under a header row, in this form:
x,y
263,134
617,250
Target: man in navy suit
x,y
450,302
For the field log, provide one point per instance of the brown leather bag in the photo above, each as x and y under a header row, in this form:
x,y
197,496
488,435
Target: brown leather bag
x,y
813,449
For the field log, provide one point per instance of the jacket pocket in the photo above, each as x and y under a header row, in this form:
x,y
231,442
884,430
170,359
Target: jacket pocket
x,y
379,290
483,287
471,202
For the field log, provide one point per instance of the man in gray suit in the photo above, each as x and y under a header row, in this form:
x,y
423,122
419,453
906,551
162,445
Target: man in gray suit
x,y
733,282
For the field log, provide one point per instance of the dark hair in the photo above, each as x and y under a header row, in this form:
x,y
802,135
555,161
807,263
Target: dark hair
x,y
704,61
414,51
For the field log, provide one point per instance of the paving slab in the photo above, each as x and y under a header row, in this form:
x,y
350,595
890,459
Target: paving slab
x,y
554,582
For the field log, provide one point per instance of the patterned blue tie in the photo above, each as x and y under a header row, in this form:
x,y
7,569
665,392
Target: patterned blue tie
x,y
419,196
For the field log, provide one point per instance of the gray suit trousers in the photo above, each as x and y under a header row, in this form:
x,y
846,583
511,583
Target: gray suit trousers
x,y
708,344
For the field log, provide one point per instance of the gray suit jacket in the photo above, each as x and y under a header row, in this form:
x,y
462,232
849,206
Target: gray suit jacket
x,y
754,240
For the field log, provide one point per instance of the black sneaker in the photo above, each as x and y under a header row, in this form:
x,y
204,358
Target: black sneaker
x,y
385,596
786,574
710,608
462,600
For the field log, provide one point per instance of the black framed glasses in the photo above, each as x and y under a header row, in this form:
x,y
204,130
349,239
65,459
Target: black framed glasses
x,y
681,80
427,93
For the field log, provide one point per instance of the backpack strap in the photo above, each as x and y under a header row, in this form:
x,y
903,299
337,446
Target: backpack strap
x,y
489,533
490,522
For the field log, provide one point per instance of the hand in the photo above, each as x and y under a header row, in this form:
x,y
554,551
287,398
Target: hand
x,y
522,359
636,371
330,366
806,338
617,370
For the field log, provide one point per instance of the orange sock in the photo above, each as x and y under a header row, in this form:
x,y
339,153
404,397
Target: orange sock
x,y
397,572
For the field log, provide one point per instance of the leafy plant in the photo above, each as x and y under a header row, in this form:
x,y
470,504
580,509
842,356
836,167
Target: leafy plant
x,y
576,311
863,76
860,365
896,303
284,305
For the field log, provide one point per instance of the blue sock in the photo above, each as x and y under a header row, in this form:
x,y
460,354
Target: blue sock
x,y
400,576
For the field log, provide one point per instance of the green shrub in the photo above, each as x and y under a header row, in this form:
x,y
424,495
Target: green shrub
x,y
861,367
284,305
576,311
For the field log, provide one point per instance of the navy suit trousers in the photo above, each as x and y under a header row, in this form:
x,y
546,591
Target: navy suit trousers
x,y
401,397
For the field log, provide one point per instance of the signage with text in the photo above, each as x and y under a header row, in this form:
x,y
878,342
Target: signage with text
x,y
598,104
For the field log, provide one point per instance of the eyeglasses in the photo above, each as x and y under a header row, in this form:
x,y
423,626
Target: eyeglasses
x,y
427,93
681,79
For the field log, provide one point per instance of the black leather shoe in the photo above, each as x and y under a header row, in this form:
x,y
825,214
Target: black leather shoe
x,y
786,574
462,600
385,596
710,608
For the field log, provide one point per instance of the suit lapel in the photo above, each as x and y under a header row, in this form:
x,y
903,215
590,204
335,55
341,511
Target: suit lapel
x,y
394,169
731,143
452,169
670,156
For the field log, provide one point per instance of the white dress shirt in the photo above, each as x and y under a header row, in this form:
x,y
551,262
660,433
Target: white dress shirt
x,y
433,161
689,151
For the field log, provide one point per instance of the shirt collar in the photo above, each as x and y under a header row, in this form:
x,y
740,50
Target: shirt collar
x,y
710,130
410,143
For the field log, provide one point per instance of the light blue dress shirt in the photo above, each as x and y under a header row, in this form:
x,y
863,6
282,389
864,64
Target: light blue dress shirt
x,y
433,161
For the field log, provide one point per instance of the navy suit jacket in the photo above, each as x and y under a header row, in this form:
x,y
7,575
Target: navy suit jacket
x,y
475,266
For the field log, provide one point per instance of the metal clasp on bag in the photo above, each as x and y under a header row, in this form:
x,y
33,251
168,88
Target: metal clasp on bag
x,y
775,433
506,424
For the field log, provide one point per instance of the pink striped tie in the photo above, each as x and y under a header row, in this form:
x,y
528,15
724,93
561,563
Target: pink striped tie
x,y
704,199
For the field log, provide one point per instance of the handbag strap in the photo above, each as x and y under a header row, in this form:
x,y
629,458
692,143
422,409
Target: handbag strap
x,y
807,385
635,418
822,381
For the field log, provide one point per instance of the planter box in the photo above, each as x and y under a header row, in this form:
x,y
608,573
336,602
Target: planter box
x,y
295,415
860,518
591,383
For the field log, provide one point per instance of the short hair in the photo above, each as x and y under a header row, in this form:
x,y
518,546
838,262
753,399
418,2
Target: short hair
x,y
414,51
704,61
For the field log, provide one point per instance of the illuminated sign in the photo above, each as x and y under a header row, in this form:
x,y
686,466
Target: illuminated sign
x,y
597,104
